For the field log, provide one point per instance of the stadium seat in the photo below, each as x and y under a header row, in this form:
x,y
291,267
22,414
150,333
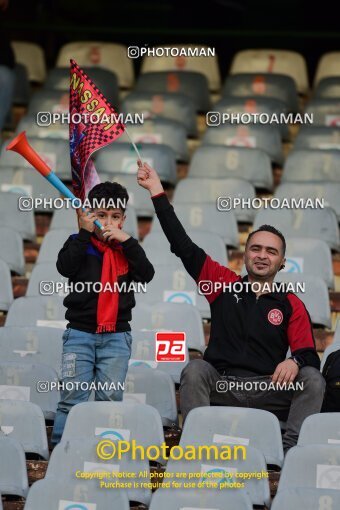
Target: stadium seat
x,y
13,474
53,101
328,88
173,284
6,291
276,86
22,91
12,251
310,256
139,198
321,428
326,111
24,422
328,66
316,466
312,165
329,192
32,344
205,63
315,297
155,388
1,507
52,243
303,497
192,84
113,57
251,136
309,223
157,248
285,62
106,81
336,338
205,217
257,489
121,158
144,354
28,382
210,190
81,455
42,275
114,421
46,311
316,137
46,129
160,131
331,348
214,161
249,110
170,499
74,494
171,317
216,425
177,107
11,216
32,57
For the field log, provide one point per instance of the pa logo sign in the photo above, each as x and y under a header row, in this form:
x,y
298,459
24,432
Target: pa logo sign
x,y
170,346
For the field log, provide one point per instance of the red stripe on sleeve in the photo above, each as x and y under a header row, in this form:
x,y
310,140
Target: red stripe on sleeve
x,y
300,332
214,272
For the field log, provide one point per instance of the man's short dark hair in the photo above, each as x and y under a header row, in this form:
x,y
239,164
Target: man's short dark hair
x,y
272,230
109,192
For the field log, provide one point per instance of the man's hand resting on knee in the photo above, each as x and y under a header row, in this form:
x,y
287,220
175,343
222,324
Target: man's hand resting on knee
x,y
285,372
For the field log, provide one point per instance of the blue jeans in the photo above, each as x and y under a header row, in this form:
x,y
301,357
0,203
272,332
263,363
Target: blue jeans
x,y
91,358
6,92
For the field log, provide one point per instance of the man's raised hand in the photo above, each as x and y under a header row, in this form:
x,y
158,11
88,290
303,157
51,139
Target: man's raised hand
x,y
148,178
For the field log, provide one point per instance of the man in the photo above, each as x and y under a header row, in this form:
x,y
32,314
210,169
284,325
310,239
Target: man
x,y
251,329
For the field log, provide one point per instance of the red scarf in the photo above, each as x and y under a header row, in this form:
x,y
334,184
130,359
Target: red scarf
x,y
114,265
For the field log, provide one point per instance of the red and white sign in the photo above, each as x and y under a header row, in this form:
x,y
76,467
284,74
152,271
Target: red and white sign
x,y
275,317
170,346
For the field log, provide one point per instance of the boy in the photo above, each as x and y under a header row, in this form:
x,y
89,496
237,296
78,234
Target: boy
x,y
97,341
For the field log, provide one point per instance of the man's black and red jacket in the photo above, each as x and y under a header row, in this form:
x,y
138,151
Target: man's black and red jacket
x,y
244,338
80,261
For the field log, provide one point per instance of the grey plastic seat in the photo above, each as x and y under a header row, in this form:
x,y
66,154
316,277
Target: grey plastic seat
x,y
214,161
168,317
160,131
336,338
12,217
30,55
328,88
312,165
306,497
178,107
52,243
80,455
209,190
258,490
137,197
12,251
47,129
216,425
173,284
56,101
315,297
170,499
155,388
329,192
13,474
205,217
46,311
316,137
54,493
277,86
32,344
24,421
58,78
6,290
143,355
46,272
114,421
206,63
192,84
1,507
308,223
21,381
252,136
250,107
157,247
121,158
316,466
310,256
326,111
329,350
320,428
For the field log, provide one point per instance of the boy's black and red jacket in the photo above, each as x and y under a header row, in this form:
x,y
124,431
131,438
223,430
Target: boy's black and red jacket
x,y
80,261
249,335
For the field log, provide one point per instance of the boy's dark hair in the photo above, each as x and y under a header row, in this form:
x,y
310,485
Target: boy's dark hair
x,y
109,192
272,230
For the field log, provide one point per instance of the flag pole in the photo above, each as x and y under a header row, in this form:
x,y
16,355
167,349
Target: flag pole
x,y
133,144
